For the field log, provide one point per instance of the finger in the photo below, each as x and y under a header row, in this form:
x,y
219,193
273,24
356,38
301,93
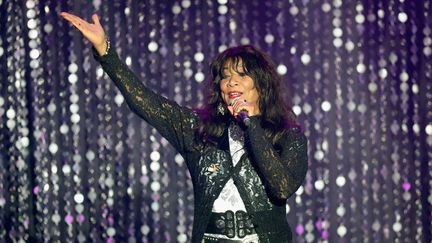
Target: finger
x,y
68,16
232,101
71,16
74,23
235,102
78,26
74,19
78,23
231,109
236,107
239,104
70,19
95,19
64,13
248,107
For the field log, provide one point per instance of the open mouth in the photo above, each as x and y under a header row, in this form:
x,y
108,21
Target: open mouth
x,y
234,95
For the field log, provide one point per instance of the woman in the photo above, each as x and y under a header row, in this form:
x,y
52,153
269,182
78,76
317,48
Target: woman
x,y
244,152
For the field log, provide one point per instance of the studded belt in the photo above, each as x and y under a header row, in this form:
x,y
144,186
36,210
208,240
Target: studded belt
x,y
230,224
208,239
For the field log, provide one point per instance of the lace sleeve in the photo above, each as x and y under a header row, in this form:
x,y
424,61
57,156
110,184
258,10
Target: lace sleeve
x,y
283,172
173,122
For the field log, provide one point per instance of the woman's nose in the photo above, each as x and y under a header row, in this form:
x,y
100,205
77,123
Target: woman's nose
x,y
232,82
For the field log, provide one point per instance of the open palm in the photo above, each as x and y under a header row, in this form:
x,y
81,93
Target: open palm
x,y
91,31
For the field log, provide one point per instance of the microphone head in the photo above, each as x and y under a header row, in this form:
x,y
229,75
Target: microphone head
x,y
232,101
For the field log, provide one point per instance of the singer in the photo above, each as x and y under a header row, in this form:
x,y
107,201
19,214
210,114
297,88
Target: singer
x,y
245,152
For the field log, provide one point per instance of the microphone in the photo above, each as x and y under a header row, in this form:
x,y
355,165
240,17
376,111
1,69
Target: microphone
x,y
243,114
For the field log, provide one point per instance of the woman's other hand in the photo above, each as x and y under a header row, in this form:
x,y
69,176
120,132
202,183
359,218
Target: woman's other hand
x,y
91,31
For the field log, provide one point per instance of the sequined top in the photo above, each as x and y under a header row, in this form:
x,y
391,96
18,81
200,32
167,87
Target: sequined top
x,y
265,176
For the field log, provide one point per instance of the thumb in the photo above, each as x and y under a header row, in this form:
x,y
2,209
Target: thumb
x,y
95,19
231,109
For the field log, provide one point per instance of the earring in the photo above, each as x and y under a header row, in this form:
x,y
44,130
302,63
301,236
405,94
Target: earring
x,y
221,109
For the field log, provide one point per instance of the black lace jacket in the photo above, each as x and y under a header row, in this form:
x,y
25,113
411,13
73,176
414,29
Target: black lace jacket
x,y
270,176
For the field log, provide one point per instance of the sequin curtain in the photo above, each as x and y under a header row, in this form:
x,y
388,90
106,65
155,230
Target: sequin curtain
x,y
77,165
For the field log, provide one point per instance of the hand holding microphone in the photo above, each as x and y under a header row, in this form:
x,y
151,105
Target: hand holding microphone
x,y
242,109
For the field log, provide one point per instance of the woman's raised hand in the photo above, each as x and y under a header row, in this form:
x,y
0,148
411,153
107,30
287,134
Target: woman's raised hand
x,y
91,31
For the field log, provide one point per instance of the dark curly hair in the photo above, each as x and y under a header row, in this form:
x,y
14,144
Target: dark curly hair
x,y
276,115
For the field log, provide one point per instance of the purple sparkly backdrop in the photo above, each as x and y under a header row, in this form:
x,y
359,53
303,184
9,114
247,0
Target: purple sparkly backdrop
x,y
77,165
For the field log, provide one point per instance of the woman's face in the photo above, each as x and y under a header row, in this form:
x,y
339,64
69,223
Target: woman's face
x,y
235,84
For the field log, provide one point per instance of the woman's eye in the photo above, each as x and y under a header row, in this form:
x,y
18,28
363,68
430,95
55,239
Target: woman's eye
x,y
242,74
